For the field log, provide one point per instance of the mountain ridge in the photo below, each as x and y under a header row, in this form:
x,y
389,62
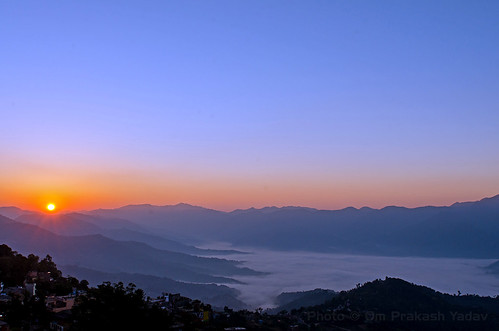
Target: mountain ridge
x,y
104,254
494,198
466,230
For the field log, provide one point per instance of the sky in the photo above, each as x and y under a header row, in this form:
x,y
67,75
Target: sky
x,y
233,104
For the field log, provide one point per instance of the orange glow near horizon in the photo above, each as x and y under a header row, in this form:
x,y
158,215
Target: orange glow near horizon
x,y
234,195
87,190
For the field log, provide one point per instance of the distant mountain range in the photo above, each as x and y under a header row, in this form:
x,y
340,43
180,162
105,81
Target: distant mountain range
x,y
155,246
102,253
466,229
77,224
132,260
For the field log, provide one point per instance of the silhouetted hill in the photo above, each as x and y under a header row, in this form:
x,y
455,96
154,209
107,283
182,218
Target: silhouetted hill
x,y
12,212
394,304
104,254
150,215
216,295
294,300
172,221
63,224
76,224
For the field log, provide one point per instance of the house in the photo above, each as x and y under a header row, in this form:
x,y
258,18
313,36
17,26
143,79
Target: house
x,y
57,304
38,276
15,292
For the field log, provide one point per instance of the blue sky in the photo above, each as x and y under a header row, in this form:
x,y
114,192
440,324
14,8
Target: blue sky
x,y
314,94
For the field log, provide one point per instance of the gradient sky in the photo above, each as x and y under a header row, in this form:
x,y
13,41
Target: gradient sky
x,y
232,104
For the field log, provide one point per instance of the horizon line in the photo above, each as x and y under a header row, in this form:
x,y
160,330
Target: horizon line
x,y
68,211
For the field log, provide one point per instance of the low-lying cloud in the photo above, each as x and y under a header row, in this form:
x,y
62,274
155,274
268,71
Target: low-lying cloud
x,y
298,271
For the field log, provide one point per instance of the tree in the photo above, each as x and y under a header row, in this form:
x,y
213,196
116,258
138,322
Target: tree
x,y
6,251
114,307
83,286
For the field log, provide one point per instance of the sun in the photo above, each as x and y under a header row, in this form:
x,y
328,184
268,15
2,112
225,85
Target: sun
x,y
51,207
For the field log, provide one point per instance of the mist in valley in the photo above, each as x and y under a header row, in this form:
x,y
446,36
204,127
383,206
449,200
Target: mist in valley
x,y
302,271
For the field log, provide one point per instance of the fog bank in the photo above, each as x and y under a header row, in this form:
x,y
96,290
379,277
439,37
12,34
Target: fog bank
x,y
298,271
